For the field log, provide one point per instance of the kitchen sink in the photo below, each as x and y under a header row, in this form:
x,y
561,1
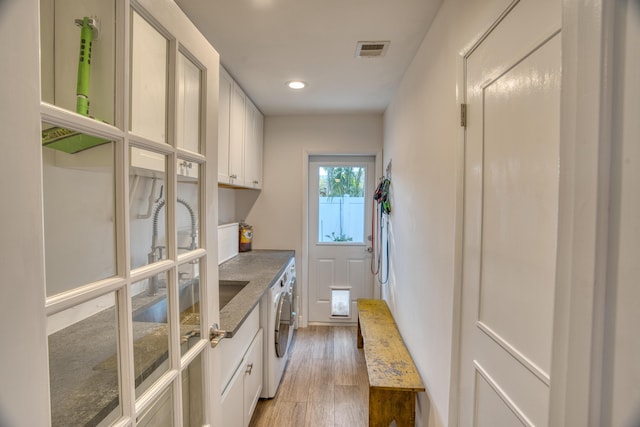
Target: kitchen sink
x,y
156,311
229,289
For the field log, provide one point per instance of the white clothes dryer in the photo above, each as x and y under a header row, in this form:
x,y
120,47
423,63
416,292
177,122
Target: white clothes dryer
x,y
278,316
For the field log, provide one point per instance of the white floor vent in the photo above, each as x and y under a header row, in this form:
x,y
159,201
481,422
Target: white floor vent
x,y
371,49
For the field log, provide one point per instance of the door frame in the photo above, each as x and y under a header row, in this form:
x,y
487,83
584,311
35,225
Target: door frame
x,y
583,223
583,252
303,289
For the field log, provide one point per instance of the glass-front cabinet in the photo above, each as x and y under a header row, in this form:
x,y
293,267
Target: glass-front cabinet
x,y
127,123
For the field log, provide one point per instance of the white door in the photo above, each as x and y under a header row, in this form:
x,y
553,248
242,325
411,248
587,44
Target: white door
x,y
126,217
510,218
340,195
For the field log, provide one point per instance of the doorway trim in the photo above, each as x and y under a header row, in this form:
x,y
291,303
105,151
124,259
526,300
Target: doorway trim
x,y
303,297
583,223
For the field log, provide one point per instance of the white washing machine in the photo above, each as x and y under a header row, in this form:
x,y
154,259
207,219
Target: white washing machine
x,y
278,318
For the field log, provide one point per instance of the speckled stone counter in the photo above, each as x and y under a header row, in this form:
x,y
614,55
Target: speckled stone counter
x,y
261,268
83,360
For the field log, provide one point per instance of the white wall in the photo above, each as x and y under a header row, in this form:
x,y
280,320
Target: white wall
x,y
422,137
277,213
226,206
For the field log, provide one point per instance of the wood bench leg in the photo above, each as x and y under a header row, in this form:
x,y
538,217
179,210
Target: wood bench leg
x,y
388,405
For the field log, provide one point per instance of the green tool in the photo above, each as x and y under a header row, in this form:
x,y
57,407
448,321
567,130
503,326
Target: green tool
x,y
67,140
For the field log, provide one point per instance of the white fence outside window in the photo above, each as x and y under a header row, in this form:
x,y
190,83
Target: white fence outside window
x,y
341,219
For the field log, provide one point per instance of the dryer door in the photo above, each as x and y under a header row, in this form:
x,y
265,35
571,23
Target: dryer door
x,y
283,323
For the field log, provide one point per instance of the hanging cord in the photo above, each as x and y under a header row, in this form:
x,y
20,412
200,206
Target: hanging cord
x,y
375,265
384,224
380,223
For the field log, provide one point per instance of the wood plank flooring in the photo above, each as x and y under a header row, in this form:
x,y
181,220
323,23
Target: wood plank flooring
x,y
324,385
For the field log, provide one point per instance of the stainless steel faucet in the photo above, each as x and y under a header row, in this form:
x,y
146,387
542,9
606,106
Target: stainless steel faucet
x,y
156,251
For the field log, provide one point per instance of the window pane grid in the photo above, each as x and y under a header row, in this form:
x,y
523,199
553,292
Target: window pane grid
x,y
177,269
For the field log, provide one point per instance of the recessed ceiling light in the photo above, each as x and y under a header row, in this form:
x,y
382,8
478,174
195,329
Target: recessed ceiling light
x,y
296,84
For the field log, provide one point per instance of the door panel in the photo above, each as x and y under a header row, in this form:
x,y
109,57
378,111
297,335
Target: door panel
x,y
493,407
511,204
519,206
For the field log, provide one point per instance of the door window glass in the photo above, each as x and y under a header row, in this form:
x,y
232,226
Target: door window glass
x,y
188,104
187,218
147,180
150,330
341,204
79,212
192,400
189,303
83,363
160,413
149,60
78,56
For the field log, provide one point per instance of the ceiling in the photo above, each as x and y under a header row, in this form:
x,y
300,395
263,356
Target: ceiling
x,y
265,43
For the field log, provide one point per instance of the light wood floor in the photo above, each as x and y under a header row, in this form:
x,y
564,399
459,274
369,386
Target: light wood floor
x,y
324,384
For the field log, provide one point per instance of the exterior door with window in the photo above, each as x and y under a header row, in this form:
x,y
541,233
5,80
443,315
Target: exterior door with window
x,y
340,194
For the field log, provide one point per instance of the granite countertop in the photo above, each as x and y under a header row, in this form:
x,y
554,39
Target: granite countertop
x,y
83,359
261,268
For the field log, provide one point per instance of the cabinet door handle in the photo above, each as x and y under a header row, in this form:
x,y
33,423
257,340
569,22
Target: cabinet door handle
x,y
249,368
234,176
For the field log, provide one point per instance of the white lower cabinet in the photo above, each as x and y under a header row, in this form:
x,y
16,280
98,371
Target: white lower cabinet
x,y
241,392
252,377
233,402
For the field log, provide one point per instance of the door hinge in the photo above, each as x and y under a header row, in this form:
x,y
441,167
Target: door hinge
x,y
463,115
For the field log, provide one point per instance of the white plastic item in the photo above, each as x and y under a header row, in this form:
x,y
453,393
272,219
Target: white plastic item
x,y
340,302
227,241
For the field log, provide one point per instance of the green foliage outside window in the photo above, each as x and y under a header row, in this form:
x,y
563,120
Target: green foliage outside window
x,y
342,182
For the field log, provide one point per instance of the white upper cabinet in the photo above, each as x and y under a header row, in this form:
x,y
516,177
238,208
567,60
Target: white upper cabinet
x,y
236,136
253,146
239,137
224,110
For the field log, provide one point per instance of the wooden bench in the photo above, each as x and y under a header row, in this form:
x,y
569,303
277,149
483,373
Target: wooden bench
x,y
393,377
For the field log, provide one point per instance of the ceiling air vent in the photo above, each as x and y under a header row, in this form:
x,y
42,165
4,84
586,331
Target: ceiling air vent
x,y
371,49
